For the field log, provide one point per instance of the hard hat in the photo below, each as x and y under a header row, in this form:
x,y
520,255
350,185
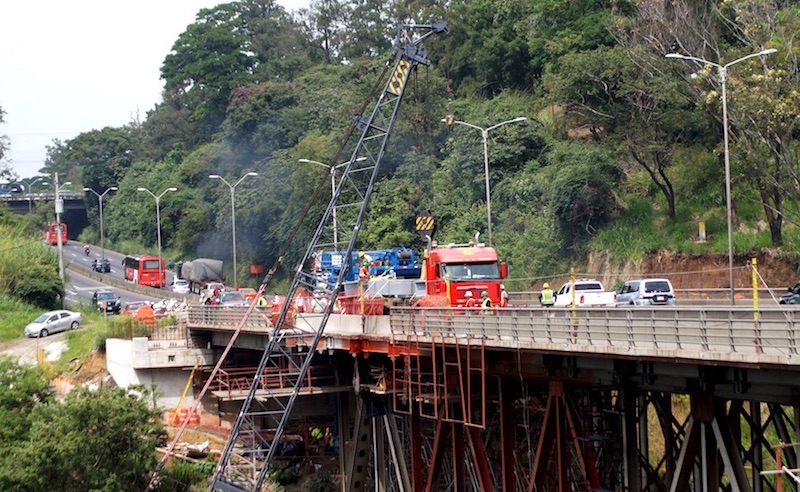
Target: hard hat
x,y
360,254
502,287
484,294
468,294
545,285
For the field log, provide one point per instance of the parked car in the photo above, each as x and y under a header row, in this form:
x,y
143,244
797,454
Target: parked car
x,y
109,299
646,292
102,266
792,296
180,286
53,322
232,299
132,308
248,293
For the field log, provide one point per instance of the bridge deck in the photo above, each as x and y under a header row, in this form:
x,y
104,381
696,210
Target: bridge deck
x,y
709,334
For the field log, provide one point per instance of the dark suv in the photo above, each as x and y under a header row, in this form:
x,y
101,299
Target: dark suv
x,y
109,299
102,266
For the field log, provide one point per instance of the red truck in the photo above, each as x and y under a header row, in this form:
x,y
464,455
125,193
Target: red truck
x,y
452,270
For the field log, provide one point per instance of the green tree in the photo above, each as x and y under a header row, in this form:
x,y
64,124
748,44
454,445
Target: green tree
x,y
4,143
101,439
22,387
208,61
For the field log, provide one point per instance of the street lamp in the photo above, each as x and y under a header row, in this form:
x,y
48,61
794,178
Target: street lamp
x,y
102,235
30,191
723,72
59,207
332,170
233,217
450,120
158,227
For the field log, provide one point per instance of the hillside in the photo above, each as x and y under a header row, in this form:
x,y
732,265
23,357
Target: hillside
x,y
705,271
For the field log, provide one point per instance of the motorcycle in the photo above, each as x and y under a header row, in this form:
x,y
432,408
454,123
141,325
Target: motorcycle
x,y
86,250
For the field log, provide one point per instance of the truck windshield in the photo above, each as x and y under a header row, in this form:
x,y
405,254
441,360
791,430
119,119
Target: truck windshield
x,y
469,271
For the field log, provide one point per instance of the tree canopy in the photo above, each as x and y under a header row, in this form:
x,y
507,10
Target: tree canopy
x,y
251,87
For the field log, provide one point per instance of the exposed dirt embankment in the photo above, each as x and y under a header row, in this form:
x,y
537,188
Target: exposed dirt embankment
x,y
703,271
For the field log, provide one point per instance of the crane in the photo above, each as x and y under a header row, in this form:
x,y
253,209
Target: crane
x,y
265,412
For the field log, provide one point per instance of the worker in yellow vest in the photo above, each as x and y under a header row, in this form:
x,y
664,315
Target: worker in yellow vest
x,y
486,303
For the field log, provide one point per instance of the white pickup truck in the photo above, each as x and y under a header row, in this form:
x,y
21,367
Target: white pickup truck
x,y
588,293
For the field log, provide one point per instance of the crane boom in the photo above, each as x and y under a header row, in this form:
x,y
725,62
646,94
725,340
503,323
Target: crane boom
x,y
265,412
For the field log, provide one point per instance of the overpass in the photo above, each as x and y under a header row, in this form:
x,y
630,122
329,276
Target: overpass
x,y
74,207
685,398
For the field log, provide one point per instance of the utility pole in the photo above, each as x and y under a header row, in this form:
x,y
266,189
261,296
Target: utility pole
x,y
59,208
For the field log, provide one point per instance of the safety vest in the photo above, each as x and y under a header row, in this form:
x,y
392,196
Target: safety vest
x,y
486,306
548,299
262,302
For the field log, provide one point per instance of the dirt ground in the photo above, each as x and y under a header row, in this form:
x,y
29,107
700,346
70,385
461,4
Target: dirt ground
x,y
687,271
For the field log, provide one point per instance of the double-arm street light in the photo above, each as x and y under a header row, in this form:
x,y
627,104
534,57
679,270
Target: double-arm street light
x,y
100,197
723,73
332,170
233,216
158,227
450,120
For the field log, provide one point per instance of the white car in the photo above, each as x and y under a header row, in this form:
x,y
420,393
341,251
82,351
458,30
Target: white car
x,y
53,322
180,286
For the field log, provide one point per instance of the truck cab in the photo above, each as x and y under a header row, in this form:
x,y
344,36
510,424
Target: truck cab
x,y
455,269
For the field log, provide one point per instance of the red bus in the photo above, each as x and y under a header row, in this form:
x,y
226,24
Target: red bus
x,y
52,233
144,270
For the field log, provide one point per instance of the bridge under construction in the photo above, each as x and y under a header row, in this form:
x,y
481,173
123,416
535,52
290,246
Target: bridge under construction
x,y
638,399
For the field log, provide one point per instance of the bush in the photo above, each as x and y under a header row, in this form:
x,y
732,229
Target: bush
x,y
180,475
320,482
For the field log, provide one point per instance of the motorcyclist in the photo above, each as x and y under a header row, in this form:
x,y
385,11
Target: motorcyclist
x,y
86,249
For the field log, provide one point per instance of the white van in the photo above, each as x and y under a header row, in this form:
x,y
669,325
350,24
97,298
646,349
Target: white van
x,y
646,292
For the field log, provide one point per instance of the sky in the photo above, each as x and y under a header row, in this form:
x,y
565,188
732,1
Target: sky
x,y
72,67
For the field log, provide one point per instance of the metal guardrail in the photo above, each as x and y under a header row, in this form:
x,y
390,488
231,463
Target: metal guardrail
x,y
729,334
228,318
708,333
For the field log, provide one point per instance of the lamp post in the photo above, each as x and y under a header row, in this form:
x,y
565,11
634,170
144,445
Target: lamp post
x,y
233,217
158,227
450,120
332,170
102,234
59,207
30,191
723,73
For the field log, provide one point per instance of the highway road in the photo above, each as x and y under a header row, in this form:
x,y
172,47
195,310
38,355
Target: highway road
x,y
82,281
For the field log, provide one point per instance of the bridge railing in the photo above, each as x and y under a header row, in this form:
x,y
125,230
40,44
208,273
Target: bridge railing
x,y
227,318
728,334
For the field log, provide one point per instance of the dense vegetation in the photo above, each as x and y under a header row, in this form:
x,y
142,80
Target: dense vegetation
x,y
621,153
94,440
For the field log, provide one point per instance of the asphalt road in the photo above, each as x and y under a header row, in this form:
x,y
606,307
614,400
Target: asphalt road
x,y
78,289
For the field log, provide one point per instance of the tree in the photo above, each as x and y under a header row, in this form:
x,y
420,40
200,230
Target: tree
x,y
22,387
3,138
208,61
101,439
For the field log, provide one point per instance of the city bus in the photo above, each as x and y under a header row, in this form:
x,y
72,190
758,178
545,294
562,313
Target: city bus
x,y
144,270
52,233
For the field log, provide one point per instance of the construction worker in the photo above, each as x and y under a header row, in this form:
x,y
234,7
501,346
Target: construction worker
x,y
327,440
318,304
547,297
363,272
469,302
503,296
486,304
